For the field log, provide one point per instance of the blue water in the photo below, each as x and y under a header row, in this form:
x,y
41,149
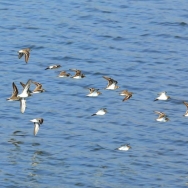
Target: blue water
x,y
143,45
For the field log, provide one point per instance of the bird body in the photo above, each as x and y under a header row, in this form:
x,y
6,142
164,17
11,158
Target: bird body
x,y
124,147
162,117
93,92
112,84
25,92
53,67
78,74
25,52
37,122
127,94
38,88
162,96
63,74
100,112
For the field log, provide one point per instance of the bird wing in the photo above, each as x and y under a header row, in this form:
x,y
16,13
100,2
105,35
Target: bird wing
x,y
36,128
27,54
127,97
161,114
27,86
78,73
23,85
22,105
186,104
15,90
91,90
107,78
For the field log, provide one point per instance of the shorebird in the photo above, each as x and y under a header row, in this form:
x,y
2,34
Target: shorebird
x,y
63,74
78,74
100,112
25,93
124,147
162,96
186,104
15,97
25,52
112,84
38,88
94,92
162,117
53,67
29,91
127,94
37,122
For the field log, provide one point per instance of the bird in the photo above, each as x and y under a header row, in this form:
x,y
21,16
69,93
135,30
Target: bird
x,y
63,74
53,67
25,52
162,117
37,122
15,97
186,104
94,92
38,88
100,112
78,74
127,94
29,91
25,93
162,96
112,84
124,147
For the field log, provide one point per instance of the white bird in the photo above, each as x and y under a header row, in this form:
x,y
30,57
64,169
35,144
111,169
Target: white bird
x,y
162,117
37,122
101,112
124,147
53,67
15,97
162,96
25,92
94,92
112,84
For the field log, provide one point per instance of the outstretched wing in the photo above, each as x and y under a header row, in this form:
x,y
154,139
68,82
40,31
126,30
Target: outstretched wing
x,y
36,128
22,105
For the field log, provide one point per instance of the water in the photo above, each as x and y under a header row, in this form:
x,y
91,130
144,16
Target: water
x,y
143,45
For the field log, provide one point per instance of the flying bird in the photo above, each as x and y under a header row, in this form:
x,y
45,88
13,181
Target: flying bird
x,y
94,92
25,52
78,74
63,74
162,117
53,67
127,94
15,97
37,122
112,84
100,112
38,88
162,96
124,147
